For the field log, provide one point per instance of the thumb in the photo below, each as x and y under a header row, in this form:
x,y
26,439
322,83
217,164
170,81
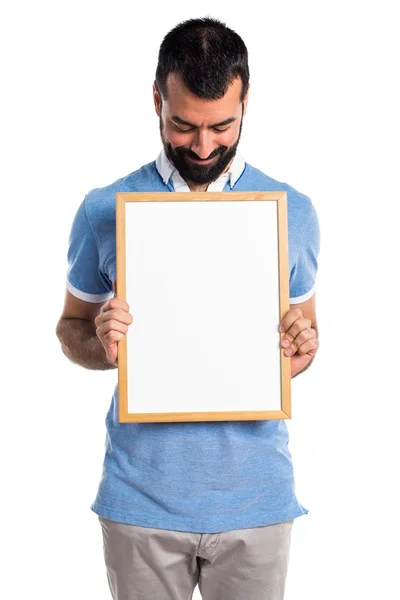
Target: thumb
x,y
112,353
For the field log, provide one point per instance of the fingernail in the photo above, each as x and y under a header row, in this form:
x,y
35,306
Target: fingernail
x,y
285,343
289,352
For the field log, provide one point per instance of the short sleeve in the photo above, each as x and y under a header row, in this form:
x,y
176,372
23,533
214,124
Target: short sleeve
x,y
304,271
85,278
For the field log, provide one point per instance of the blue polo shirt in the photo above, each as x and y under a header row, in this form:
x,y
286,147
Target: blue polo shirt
x,y
203,477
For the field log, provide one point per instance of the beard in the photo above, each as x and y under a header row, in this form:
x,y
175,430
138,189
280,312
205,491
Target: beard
x,y
198,173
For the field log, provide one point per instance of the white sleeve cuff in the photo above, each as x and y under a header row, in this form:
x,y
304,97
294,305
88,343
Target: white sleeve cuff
x,y
304,297
88,297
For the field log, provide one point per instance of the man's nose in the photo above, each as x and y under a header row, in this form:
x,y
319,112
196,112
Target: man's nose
x,y
203,144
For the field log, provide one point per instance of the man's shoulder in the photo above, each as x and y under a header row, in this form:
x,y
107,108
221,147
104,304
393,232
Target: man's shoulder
x,y
263,182
101,199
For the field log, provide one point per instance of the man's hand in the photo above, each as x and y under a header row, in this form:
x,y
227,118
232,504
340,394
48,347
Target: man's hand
x,y
300,340
112,325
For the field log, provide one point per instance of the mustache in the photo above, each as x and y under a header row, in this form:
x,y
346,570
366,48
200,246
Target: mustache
x,y
190,154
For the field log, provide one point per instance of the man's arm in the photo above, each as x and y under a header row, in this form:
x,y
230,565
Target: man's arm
x,y
89,332
76,331
301,335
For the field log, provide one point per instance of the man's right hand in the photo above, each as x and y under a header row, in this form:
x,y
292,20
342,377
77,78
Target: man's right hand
x,y
112,325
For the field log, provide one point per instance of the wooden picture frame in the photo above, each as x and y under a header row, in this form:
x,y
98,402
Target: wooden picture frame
x,y
206,279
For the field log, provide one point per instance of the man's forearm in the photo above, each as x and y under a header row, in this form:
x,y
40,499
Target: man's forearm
x,y
81,345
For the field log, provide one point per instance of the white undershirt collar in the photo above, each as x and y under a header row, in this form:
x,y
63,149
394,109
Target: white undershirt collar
x,y
167,171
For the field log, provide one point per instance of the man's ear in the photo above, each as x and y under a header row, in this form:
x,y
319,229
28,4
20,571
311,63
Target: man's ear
x,y
157,99
245,101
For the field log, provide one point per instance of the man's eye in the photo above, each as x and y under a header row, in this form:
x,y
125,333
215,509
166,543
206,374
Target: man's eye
x,y
220,130
183,130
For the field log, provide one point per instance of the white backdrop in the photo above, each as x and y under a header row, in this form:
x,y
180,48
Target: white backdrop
x,y
76,114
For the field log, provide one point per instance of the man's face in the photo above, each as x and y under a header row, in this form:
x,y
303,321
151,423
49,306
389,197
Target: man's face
x,y
200,136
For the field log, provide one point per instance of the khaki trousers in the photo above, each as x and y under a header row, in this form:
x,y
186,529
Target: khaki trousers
x,y
145,563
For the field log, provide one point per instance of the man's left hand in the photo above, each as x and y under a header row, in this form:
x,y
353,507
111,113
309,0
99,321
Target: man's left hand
x,y
299,340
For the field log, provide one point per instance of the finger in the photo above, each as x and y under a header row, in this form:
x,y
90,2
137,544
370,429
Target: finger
x,y
110,339
299,327
112,353
292,315
309,347
114,303
300,332
115,314
111,325
298,341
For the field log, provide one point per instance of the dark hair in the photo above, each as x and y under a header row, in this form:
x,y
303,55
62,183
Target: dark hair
x,y
207,55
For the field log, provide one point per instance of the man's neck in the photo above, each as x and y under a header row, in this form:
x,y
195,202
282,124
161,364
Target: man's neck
x,y
197,187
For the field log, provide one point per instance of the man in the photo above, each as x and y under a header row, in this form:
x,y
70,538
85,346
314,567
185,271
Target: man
x,y
211,503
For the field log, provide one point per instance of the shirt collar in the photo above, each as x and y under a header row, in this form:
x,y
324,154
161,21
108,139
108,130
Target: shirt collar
x,y
167,170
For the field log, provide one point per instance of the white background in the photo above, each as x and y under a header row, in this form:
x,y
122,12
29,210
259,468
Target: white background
x,y
323,116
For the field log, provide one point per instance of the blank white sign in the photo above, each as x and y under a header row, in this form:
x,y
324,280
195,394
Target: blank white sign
x,y
203,286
